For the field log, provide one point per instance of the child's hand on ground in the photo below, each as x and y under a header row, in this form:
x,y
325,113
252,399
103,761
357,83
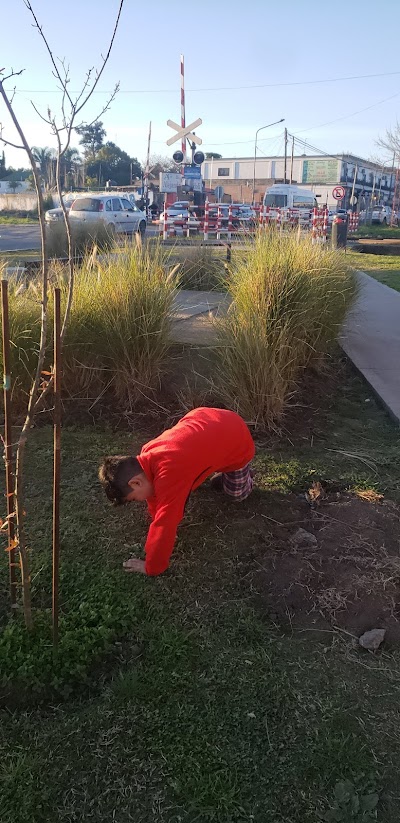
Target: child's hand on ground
x,y
134,564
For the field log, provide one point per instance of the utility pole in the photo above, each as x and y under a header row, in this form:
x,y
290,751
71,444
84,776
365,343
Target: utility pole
x,y
354,186
146,173
255,152
291,162
285,166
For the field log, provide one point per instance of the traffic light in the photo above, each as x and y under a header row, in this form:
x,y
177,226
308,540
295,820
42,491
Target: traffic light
x,y
198,158
178,157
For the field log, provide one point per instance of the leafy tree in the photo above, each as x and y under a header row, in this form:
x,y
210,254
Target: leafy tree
x,y
212,155
13,185
112,163
16,174
70,165
44,157
92,138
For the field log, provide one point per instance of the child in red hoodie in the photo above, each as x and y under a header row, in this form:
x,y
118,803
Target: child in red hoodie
x,y
202,443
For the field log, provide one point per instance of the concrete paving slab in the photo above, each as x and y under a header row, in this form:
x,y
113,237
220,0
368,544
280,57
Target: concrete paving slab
x,y
189,303
371,339
194,313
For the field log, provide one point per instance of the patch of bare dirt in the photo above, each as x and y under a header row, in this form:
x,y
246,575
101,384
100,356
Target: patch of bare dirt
x,y
344,572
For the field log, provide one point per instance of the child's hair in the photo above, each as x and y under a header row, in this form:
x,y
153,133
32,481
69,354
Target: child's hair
x,y
115,473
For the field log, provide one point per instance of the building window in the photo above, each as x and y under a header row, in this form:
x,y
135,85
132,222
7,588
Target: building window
x,y
223,172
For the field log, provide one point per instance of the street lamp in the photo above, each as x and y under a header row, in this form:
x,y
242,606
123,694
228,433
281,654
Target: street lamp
x,y
255,151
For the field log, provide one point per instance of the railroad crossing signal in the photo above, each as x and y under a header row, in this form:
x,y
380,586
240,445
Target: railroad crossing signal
x,y
185,132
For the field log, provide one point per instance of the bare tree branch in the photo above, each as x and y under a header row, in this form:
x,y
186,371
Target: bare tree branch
x,y
103,111
13,145
12,74
391,141
19,474
50,53
74,105
42,117
105,61
68,120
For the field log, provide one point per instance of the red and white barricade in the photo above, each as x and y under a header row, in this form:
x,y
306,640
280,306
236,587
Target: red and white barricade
x,y
319,225
354,219
218,222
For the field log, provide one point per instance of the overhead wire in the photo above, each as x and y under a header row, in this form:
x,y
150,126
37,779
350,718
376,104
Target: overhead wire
x,y
231,88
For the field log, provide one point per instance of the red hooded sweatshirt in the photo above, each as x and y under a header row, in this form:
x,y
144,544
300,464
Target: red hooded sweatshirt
x,y
178,461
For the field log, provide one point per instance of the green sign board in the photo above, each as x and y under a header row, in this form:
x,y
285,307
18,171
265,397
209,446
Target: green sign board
x,y
320,171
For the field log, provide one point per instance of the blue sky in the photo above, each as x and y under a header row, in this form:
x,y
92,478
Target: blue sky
x,y
229,47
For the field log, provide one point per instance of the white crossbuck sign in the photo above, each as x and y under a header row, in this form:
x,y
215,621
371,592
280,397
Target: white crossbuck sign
x,y
184,132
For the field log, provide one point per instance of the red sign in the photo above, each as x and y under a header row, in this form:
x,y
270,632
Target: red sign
x,y
339,192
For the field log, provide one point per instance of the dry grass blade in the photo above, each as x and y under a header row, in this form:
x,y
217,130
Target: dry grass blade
x,y
289,300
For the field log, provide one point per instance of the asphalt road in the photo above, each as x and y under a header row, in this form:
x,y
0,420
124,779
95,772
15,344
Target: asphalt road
x,y
13,238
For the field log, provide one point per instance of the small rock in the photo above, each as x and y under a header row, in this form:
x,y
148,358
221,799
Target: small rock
x,y
304,538
372,640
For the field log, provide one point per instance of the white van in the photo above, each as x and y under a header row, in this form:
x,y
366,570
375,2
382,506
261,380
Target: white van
x,y
286,196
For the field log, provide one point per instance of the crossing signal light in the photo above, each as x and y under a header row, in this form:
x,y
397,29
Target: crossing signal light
x,y
198,158
178,157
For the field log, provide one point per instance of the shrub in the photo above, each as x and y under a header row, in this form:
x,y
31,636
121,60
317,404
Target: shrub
x,y
83,238
289,300
24,315
120,323
118,333
200,269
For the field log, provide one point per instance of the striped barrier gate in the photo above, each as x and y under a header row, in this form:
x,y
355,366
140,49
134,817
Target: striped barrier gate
x,y
354,219
319,225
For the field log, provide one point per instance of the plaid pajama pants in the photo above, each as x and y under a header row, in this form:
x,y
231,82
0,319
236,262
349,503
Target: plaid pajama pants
x,y
238,484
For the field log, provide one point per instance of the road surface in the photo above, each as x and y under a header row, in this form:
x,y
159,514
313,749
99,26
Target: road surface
x,y
14,238
18,238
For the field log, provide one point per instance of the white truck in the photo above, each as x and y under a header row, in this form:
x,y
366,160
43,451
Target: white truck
x,y
287,196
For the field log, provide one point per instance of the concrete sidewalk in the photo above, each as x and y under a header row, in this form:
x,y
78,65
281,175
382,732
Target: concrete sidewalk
x,y
194,312
371,339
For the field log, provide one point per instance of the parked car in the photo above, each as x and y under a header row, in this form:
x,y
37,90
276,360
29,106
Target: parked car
x,y
180,211
341,213
175,209
54,215
118,213
382,214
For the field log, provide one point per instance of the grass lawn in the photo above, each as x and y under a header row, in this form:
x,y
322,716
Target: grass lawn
x,y
381,232
383,267
15,258
206,707
6,220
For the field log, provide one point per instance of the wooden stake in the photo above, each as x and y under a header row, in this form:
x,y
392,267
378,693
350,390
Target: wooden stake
x,y
8,450
57,461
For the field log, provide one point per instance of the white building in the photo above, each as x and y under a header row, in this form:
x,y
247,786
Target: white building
x,y
239,175
7,188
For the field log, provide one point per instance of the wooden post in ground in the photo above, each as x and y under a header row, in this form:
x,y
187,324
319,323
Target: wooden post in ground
x,y
57,462
8,450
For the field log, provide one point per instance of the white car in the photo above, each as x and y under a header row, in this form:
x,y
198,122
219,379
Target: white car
x,y
382,214
178,209
117,212
55,215
179,213
341,213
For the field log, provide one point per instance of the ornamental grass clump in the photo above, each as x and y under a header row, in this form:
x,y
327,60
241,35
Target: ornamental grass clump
x,y
118,335
119,332
289,300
